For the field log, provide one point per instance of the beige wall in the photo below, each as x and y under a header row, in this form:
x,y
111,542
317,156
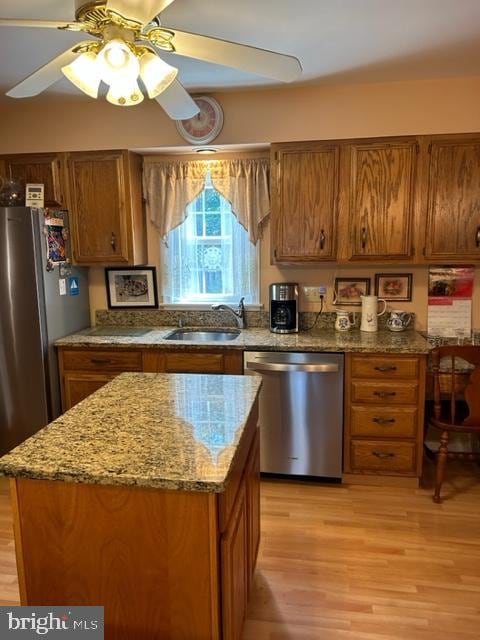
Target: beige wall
x,y
262,116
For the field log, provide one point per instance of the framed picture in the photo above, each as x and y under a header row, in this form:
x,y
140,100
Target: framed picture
x,y
349,290
394,286
131,288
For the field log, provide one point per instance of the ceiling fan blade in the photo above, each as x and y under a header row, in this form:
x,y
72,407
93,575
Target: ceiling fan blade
x,y
42,24
177,102
239,56
46,75
142,11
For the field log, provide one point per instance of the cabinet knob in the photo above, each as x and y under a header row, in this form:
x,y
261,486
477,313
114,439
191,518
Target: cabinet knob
x,y
364,237
113,242
322,239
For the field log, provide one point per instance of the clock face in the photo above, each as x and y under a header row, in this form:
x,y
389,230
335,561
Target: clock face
x,y
206,125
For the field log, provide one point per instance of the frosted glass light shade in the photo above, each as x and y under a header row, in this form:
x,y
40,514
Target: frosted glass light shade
x,y
156,74
125,94
116,62
83,73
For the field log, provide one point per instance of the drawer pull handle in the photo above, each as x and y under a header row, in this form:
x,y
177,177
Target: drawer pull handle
x,y
100,361
385,394
382,456
322,240
477,237
385,369
364,237
383,421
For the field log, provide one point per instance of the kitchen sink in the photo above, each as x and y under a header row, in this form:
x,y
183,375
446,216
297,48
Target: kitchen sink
x,y
119,331
206,335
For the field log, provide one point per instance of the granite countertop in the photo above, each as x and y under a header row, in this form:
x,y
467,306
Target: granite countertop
x,y
259,339
169,431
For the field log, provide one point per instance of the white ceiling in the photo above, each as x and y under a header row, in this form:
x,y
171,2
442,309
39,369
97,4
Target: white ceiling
x,y
335,40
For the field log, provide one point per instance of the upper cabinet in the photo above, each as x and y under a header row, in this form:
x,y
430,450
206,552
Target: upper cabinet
x,y
106,208
453,201
381,188
305,181
43,168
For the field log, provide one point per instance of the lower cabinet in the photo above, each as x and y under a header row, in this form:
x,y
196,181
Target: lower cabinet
x,y
384,414
84,370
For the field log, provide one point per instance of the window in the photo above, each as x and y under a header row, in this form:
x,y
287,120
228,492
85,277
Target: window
x,y
209,257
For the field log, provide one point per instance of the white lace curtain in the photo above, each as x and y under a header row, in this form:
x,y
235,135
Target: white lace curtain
x,y
170,186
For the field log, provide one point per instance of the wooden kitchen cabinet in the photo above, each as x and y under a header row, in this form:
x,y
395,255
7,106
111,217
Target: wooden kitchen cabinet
x,y
453,199
384,415
43,168
106,205
304,190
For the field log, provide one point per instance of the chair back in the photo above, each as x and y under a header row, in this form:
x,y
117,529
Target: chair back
x,y
461,395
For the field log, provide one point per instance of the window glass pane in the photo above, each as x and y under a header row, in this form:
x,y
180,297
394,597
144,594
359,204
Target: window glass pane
x,y
213,281
212,200
213,224
199,224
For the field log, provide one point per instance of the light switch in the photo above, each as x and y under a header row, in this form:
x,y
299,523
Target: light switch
x,y
62,286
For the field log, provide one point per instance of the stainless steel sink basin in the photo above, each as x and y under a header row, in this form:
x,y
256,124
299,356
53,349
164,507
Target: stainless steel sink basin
x,y
119,331
200,335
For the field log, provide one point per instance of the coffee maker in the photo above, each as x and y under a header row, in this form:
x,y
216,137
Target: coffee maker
x,y
284,307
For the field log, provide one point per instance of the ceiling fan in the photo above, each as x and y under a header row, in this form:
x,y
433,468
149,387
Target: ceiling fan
x,y
128,35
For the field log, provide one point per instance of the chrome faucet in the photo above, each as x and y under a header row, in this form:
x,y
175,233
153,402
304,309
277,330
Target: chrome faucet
x,y
238,313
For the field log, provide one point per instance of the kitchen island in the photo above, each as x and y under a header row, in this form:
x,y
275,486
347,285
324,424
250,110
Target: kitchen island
x,y
144,498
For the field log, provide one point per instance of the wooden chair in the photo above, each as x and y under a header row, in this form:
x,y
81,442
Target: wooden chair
x,y
456,403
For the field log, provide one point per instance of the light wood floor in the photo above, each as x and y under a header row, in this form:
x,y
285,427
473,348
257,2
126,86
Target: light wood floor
x,y
351,562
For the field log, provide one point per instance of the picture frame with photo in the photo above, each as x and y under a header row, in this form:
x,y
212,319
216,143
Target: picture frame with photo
x,y
394,287
131,287
348,291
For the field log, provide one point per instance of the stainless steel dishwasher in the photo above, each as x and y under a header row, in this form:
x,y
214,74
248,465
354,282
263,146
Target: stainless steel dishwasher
x,y
301,412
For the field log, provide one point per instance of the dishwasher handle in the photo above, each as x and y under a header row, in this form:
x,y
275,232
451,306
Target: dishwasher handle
x,y
302,367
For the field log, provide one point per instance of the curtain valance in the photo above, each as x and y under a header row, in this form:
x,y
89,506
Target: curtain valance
x,y
169,187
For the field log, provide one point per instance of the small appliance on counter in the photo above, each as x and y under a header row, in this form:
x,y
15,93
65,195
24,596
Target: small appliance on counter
x,y
284,307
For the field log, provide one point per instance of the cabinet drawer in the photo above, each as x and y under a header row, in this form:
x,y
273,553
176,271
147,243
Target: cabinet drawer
x,y
107,360
384,367
386,422
194,362
384,393
381,456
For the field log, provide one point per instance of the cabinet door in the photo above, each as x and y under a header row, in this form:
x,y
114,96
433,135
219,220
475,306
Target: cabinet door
x,y
453,227
77,386
304,202
234,549
382,176
41,169
100,208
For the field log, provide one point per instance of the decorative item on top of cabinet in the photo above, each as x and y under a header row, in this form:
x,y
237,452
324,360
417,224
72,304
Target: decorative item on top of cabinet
x,y
382,199
384,416
108,220
305,185
453,221
42,168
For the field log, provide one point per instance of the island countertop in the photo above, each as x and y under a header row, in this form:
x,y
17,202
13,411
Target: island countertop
x,y
169,431
259,339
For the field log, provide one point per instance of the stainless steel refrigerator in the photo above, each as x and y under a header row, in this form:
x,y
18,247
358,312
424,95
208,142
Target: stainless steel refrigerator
x,y
33,315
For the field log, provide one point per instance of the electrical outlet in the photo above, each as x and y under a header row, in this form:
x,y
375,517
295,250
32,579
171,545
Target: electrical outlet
x,y
312,294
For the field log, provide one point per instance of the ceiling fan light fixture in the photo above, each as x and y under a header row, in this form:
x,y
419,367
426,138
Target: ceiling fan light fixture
x,y
156,74
116,62
83,73
125,93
